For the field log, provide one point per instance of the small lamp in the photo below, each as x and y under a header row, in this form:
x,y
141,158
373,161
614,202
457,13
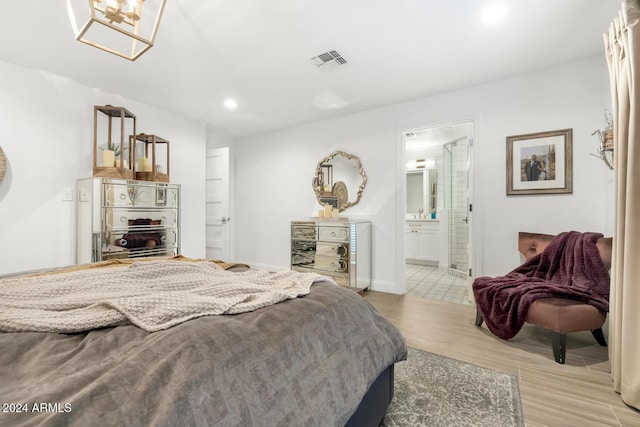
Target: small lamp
x,y
126,28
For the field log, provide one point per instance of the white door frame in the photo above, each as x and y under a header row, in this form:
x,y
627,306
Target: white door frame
x,y
475,260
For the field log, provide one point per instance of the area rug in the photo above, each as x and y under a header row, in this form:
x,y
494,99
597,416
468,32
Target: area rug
x,y
433,390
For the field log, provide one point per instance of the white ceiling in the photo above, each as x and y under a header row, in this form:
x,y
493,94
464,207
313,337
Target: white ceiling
x,y
259,51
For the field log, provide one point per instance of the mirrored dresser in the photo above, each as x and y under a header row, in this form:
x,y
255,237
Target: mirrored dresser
x,y
338,248
119,218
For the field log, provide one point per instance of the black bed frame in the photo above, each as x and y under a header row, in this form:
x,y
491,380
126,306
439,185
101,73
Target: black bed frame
x,y
374,404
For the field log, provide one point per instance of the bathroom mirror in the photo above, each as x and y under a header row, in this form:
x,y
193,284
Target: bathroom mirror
x,y
339,180
421,194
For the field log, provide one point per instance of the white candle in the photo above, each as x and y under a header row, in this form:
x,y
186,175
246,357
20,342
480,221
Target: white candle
x,y
327,211
108,158
124,163
145,164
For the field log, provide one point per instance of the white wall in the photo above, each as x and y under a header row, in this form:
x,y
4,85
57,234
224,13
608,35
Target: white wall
x,y
215,139
273,171
47,137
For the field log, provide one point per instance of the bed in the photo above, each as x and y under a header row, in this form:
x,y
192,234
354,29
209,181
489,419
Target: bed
x,y
321,358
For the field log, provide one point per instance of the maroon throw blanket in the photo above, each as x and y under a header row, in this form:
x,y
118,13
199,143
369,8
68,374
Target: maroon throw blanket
x,y
569,267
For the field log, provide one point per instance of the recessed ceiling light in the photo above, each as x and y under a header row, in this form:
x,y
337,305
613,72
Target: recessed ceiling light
x,y
493,12
230,104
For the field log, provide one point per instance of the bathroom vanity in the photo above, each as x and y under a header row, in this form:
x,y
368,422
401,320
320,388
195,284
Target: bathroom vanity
x,y
423,242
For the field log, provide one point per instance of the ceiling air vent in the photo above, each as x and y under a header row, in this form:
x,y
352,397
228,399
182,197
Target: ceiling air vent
x,y
328,60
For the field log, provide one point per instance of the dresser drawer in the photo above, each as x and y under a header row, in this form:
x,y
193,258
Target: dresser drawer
x,y
303,259
303,232
139,219
340,234
139,195
143,238
303,246
332,264
332,249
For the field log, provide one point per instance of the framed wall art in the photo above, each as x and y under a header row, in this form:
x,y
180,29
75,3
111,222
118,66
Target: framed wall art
x,y
540,163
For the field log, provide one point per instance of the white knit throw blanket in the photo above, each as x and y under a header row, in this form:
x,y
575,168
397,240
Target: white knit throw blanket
x,y
153,295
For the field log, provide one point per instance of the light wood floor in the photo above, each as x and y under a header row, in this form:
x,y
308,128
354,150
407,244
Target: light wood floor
x,y
578,393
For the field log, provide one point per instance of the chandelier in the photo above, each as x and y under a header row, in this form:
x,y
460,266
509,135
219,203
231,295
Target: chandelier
x,y
126,28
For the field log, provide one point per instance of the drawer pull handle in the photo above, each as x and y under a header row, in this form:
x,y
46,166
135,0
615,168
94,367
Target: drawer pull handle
x,y
122,196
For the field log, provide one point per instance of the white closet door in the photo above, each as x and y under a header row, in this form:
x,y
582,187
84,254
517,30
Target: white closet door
x,y
217,202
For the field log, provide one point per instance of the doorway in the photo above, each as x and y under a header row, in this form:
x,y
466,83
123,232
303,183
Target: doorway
x,y
442,224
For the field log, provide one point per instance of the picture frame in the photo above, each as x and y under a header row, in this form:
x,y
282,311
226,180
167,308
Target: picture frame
x,y
540,163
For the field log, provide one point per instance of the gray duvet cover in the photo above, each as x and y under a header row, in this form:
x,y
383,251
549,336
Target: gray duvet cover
x,y
303,362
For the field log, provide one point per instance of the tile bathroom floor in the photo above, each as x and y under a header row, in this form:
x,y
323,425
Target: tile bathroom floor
x,y
437,283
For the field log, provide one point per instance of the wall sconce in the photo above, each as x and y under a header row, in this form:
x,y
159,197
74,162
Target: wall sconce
x,y
126,28
421,164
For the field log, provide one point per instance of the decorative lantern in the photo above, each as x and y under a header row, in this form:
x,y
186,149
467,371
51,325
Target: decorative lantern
x,y
126,28
150,167
117,160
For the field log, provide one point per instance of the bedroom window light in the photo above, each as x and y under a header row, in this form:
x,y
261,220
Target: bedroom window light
x,y
126,28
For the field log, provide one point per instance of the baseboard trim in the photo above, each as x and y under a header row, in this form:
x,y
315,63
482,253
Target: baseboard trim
x,y
422,262
388,287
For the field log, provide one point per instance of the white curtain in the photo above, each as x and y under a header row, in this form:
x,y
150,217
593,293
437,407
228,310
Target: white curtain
x,y
623,55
